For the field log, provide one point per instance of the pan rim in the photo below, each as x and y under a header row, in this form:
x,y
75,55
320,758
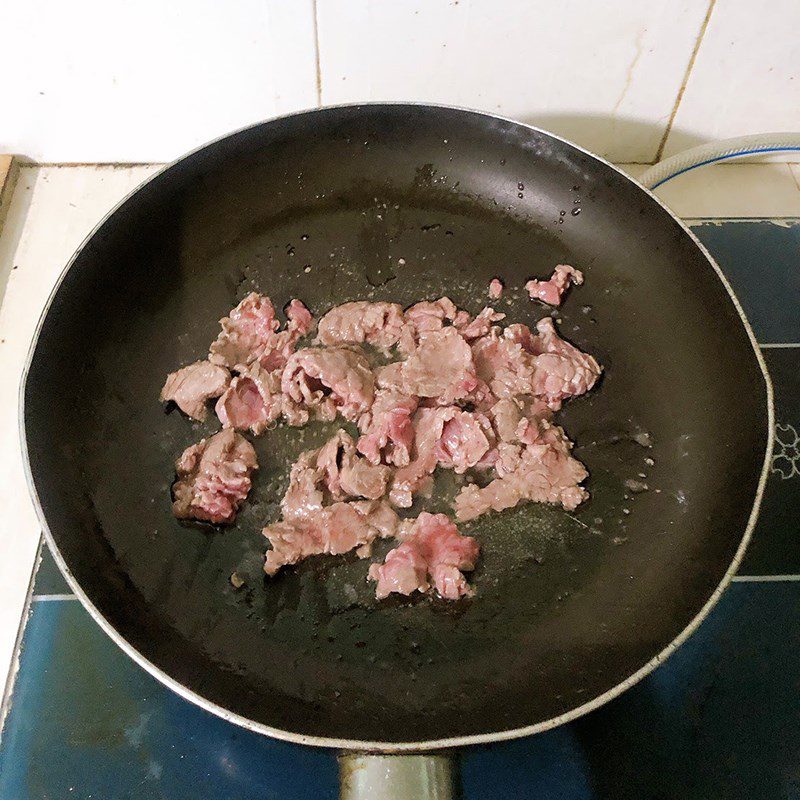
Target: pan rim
x,y
430,744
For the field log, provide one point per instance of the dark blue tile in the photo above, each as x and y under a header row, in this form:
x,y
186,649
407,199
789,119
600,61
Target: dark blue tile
x,y
721,719
760,258
775,549
87,722
49,579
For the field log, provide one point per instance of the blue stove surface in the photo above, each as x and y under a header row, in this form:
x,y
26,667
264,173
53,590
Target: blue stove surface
x,y
721,719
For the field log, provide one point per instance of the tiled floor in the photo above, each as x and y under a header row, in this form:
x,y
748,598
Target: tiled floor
x,y
721,719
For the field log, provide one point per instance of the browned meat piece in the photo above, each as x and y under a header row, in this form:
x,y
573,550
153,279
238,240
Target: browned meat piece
x,y
253,401
379,324
330,473
544,365
388,431
542,471
432,550
213,478
552,290
562,371
191,386
335,529
251,333
441,367
327,381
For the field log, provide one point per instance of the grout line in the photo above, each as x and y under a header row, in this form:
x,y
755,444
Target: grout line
x,y
778,345
766,578
689,66
317,58
49,598
13,667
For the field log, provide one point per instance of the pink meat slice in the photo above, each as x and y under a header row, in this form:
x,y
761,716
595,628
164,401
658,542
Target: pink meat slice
x,y
426,317
333,530
213,478
542,472
191,386
251,333
440,367
246,331
552,290
514,422
281,345
503,363
465,440
379,324
545,366
428,424
505,416
434,553
299,319
442,435
333,472
388,433
495,288
389,376
562,370
325,381
472,329
431,315
253,401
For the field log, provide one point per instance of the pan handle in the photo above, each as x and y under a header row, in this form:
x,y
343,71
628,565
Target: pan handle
x,y
366,776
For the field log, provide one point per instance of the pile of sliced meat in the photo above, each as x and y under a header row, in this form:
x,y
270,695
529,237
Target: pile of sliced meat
x,y
461,393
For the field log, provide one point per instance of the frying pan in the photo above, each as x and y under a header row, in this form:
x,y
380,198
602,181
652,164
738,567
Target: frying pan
x,y
398,202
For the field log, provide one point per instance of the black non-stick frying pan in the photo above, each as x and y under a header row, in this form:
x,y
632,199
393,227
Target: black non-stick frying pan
x,y
398,202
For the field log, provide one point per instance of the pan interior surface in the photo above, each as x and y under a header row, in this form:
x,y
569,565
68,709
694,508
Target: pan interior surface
x,y
399,203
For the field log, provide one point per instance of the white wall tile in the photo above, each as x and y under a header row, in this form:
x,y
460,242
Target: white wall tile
x,y
100,80
603,74
746,77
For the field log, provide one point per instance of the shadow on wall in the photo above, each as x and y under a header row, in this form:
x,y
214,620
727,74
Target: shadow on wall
x,y
619,139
